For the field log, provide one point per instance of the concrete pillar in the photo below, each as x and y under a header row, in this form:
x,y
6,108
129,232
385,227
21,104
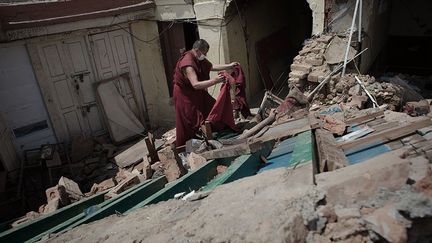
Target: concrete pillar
x,y
152,73
210,17
318,15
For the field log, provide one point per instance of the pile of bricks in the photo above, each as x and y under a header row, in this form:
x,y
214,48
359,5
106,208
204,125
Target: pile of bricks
x,y
310,67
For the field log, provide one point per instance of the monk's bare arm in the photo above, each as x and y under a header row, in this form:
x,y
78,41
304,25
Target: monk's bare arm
x,y
192,76
220,67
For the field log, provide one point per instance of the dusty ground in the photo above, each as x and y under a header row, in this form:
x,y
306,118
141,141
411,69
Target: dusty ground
x,y
376,200
261,208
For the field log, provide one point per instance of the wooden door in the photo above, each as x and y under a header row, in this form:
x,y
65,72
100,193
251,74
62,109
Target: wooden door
x,y
82,76
65,76
113,55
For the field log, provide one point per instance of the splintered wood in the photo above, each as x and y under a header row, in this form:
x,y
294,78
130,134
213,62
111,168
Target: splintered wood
x,y
330,156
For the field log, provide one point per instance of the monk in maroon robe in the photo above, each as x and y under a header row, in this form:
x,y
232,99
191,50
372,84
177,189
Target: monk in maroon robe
x,y
191,79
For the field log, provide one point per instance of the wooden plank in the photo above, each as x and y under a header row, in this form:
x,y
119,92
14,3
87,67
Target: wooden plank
x,y
255,144
245,165
131,155
384,126
125,202
232,151
368,116
284,134
35,227
151,148
206,128
388,135
330,156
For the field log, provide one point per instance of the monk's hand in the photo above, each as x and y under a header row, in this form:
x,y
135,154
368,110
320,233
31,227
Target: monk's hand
x,y
233,64
220,78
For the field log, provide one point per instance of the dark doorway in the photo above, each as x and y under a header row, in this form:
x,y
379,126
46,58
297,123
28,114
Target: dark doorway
x,y
174,41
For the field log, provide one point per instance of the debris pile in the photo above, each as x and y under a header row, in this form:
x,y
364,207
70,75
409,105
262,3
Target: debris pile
x,y
319,57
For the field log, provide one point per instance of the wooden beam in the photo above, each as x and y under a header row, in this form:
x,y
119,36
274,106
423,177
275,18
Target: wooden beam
x,y
369,115
206,127
151,148
388,135
233,151
330,156
255,144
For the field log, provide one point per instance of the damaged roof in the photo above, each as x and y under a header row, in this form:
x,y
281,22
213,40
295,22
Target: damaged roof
x,y
34,14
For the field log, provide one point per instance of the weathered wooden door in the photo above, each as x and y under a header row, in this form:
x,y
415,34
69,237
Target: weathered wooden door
x,y
113,55
65,76
83,78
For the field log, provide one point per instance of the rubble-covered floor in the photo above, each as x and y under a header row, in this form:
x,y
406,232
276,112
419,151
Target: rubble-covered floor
x,y
283,205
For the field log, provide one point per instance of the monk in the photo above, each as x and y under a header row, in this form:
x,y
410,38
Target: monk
x,y
191,79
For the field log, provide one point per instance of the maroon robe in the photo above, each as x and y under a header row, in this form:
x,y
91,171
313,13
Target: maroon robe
x,y
192,106
237,76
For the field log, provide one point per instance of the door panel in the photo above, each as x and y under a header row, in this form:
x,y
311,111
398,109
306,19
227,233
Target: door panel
x,y
64,95
82,73
113,55
54,62
70,76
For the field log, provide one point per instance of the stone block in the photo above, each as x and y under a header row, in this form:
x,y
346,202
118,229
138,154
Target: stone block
x,y
317,61
52,206
316,76
298,74
306,68
57,192
123,186
172,164
71,187
195,161
104,185
388,223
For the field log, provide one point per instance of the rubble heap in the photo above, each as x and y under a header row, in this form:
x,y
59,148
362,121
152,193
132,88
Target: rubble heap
x,y
321,55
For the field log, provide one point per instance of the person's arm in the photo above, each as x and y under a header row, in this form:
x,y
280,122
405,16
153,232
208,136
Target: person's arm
x,y
192,76
221,67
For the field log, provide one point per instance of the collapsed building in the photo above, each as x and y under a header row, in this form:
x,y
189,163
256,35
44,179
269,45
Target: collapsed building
x,y
86,102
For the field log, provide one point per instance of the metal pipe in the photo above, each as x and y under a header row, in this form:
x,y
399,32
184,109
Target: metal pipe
x,y
375,103
350,38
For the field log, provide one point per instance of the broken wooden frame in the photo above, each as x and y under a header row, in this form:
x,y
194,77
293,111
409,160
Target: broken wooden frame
x,y
107,121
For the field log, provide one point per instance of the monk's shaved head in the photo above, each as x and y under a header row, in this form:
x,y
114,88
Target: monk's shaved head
x,y
201,45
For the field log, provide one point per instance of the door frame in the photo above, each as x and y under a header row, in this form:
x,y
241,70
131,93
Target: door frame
x,y
58,125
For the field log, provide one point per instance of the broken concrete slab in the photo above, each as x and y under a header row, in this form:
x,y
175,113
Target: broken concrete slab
x,y
52,206
103,186
123,186
361,181
388,223
71,187
132,155
335,52
57,192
